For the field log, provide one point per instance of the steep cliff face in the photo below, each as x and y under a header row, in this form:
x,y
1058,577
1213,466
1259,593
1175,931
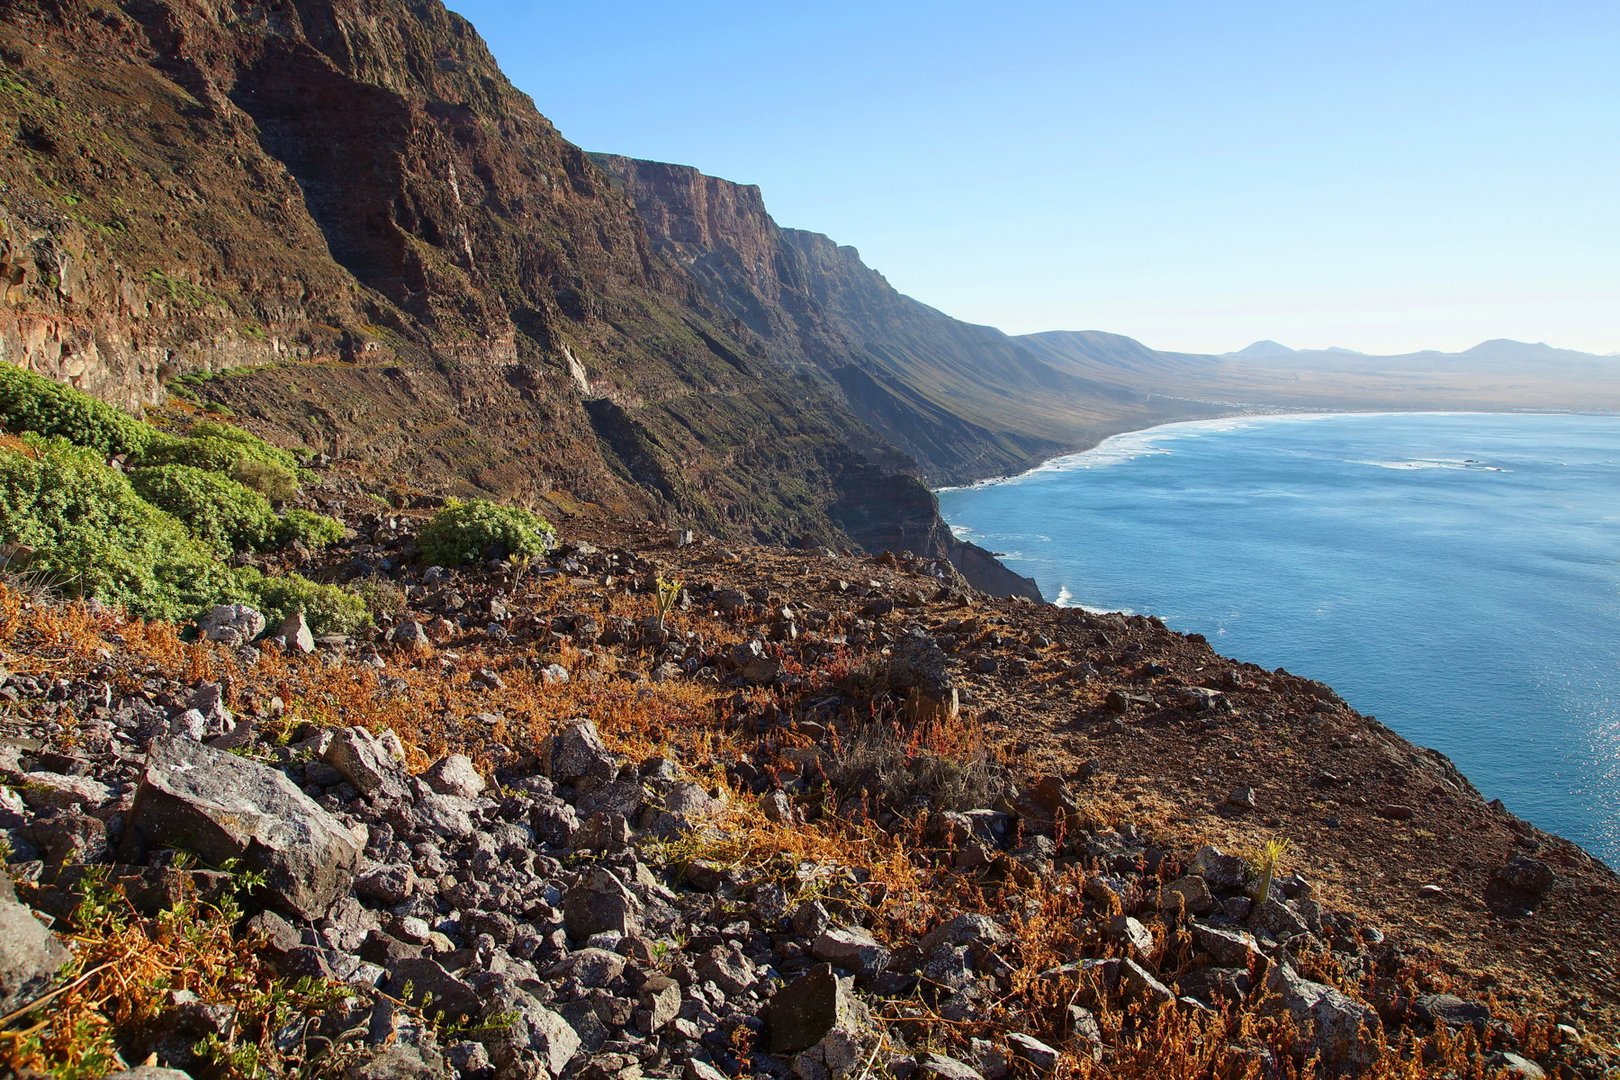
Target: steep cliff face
x,y
347,204
967,401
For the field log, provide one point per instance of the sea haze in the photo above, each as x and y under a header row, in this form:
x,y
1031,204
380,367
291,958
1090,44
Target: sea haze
x,y
1456,575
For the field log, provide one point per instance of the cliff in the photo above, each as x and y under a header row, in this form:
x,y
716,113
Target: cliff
x,y
966,401
346,206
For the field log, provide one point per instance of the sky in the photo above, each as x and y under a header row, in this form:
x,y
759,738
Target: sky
x,y
1199,175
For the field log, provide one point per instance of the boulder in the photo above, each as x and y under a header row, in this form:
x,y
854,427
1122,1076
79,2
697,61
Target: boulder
x,y
1343,1030
1044,1058
577,750
1136,983
1522,874
532,1032
221,807
295,635
939,1067
1188,894
805,1010
599,903
454,774
851,948
979,930
29,953
231,624
368,762
1450,1010
1228,948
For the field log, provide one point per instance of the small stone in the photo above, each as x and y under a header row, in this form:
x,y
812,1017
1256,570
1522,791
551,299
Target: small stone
x,y
29,953
1044,1058
805,1011
1241,797
852,948
454,774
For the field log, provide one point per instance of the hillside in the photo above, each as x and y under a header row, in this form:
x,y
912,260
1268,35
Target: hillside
x,y
967,402
426,281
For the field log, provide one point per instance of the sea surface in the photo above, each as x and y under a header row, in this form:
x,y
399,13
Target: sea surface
x,y
1456,575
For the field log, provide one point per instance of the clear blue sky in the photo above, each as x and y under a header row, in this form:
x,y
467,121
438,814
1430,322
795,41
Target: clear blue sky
x,y
1382,176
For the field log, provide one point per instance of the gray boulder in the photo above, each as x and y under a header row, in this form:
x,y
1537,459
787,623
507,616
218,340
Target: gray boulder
x,y
295,635
577,750
852,948
368,762
1343,1030
231,624
221,807
29,953
454,774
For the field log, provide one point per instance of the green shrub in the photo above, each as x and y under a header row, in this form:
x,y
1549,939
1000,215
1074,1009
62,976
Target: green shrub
x,y
84,527
465,532
215,508
30,402
313,530
327,608
221,448
382,597
275,482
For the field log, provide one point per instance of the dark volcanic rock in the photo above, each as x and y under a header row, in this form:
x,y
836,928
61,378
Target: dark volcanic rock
x,y
222,807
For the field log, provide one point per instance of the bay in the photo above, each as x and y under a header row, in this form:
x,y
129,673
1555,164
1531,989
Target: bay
x,y
1457,575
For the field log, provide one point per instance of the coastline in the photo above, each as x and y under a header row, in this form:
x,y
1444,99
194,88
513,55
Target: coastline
x,y
1138,440
1259,414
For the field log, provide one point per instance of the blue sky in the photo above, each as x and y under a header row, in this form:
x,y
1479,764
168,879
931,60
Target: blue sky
x,y
1382,176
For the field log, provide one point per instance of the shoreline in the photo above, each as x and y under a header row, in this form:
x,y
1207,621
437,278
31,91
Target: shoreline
x,y
1065,598
1287,414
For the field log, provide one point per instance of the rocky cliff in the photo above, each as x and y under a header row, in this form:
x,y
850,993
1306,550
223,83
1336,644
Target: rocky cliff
x,y
966,401
345,205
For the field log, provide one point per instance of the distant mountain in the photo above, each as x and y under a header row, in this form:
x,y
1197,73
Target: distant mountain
x,y
1264,348
1492,375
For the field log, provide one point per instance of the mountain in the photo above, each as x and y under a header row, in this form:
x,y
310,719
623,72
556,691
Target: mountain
x,y
1264,348
345,206
965,401
1494,375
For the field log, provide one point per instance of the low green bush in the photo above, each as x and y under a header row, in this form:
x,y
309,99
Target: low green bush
x,y
274,481
30,402
465,532
216,509
327,608
308,528
82,526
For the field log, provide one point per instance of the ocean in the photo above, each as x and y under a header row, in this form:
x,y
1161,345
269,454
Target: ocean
x,y
1456,575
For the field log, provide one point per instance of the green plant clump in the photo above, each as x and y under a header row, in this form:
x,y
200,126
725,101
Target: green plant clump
x,y
327,608
82,526
221,448
30,402
465,532
308,528
217,509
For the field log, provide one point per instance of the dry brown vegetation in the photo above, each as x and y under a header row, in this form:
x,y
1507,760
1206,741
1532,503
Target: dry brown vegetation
x,y
869,850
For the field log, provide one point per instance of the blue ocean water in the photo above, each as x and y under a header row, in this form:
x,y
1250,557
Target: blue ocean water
x,y
1456,575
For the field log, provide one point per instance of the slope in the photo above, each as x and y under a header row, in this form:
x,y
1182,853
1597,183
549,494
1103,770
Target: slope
x,y
346,206
966,401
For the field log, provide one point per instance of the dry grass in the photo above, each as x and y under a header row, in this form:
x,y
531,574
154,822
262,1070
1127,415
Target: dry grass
x,y
874,867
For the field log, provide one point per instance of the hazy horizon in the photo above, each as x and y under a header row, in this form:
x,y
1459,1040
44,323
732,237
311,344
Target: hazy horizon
x,y
1388,178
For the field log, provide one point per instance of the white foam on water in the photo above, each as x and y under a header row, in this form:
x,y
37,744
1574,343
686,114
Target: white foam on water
x,y
1418,464
1064,597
